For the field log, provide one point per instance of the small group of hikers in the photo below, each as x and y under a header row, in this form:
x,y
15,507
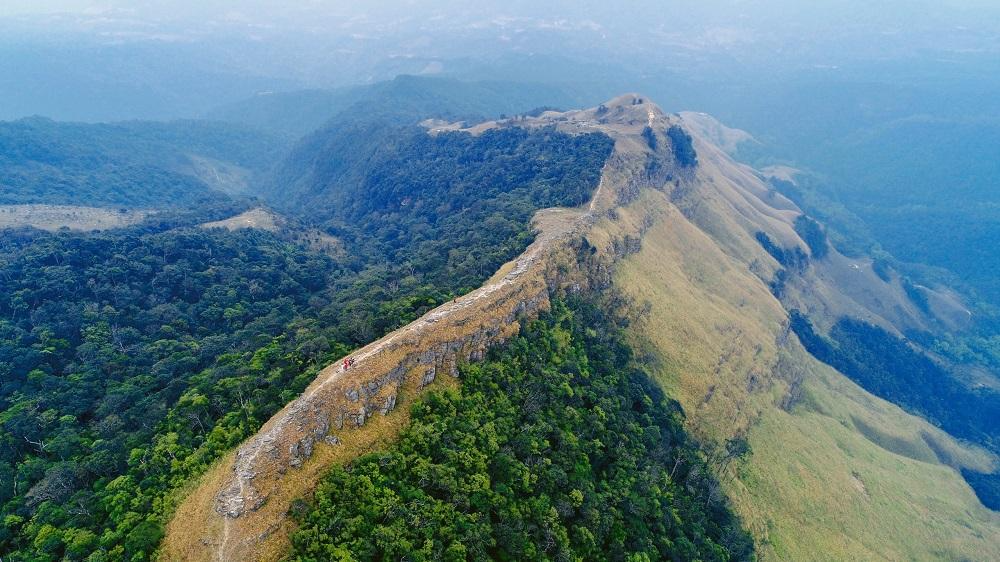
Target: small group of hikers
x,y
348,362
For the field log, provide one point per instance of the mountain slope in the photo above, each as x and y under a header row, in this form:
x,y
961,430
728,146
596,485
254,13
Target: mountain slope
x,y
834,473
135,359
830,472
131,164
295,114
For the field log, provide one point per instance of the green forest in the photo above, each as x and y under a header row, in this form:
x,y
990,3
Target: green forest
x,y
558,447
887,366
422,195
130,362
132,359
132,164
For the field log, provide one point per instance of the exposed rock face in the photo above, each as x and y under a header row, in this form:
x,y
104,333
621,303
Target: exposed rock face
x,y
458,332
453,333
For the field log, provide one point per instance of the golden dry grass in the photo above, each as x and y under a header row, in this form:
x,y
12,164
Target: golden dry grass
x,y
842,475
264,219
258,218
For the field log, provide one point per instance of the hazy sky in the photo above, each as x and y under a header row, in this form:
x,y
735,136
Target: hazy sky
x,y
623,10
624,20
322,43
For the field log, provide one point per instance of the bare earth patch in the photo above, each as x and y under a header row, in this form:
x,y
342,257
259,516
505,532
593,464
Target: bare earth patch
x,y
261,219
56,217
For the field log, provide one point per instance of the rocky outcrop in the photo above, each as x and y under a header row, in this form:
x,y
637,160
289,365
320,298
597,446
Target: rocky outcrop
x,y
340,400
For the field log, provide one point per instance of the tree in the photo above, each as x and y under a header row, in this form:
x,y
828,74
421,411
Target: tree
x,y
683,146
813,235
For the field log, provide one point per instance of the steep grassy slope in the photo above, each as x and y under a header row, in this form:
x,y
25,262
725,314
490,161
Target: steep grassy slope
x,y
894,176
833,470
834,473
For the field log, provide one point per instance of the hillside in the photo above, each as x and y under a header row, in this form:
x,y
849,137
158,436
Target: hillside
x,y
263,219
135,358
817,467
819,443
295,114
131,164
55,217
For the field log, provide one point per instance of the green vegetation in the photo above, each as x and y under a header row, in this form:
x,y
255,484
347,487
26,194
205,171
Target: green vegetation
x,y
409,98
133,359
797,491
683,146
882,267
970,350
558,447
916,295
650,136
891,192
410,197
926,190
813,235
987,487
888,367
134,164
794,259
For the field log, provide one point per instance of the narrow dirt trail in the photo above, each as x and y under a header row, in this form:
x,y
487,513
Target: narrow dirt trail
x,y
598,192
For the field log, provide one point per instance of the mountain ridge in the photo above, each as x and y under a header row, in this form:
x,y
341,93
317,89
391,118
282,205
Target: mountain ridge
x,y
517,289
238,509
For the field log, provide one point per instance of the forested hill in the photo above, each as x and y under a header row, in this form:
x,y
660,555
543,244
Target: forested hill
x,y
620,479
401,192
133,359
378,122
295,114
386,187
131,164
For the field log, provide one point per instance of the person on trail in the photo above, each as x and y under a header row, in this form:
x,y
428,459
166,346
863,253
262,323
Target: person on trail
x,y
345,363
350,362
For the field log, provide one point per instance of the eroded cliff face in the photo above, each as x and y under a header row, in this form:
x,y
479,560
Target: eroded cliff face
x,y
238,511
